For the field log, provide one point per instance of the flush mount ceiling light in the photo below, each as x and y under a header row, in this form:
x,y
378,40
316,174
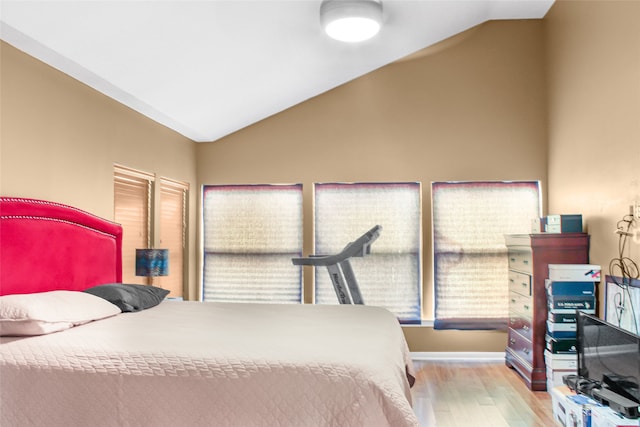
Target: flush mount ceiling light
x,y
351,20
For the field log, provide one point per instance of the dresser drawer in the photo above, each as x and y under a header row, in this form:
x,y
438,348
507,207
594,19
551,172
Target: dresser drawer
x,y
521,261
521,346
521,304
521,325
520,283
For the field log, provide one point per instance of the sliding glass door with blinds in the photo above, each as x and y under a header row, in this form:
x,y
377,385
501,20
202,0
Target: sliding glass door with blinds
x,y
251,233
470,220
391,275
149,224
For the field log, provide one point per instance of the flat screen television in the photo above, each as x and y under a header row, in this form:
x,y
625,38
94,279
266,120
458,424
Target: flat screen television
x,y
609,355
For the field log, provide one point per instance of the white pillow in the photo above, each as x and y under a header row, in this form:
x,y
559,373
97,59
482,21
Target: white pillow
x,y
47,312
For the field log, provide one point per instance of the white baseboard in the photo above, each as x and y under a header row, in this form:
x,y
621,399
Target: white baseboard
x,y
462,356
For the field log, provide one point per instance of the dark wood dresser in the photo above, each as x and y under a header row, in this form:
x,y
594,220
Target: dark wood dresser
x,y
529,257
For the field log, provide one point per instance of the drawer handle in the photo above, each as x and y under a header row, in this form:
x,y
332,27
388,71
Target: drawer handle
x,y
512,340
511,259
526,350
525,261
526,307
525,327
511,280
513,300
525,285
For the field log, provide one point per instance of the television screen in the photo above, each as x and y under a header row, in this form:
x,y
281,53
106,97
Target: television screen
x,y
609,355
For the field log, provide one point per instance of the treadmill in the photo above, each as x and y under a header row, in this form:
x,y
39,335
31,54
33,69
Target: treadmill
x,y
342,276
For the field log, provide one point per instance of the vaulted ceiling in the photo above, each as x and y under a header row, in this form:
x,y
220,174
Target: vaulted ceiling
x,y
209,68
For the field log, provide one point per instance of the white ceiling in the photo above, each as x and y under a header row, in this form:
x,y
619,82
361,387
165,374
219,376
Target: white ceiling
x,y
209,68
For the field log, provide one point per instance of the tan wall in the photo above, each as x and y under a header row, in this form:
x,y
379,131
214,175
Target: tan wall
x,y
474,107
474,110
594,118
59,140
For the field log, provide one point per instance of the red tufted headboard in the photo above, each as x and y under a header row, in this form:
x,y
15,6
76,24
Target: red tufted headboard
x,y
47,246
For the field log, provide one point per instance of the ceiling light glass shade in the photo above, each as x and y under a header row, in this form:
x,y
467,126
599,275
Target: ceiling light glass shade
x,y
351,20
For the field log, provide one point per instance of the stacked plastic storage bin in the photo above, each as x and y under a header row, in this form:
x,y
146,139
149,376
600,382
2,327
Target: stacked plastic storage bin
x,y
570,287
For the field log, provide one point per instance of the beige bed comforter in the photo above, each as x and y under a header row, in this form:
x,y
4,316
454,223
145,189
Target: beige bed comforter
x,y
211,364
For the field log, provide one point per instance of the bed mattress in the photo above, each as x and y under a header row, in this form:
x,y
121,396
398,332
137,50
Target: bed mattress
x,y
213,364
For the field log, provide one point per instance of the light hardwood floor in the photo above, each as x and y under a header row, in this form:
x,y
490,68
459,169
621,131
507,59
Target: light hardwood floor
x,y
476,394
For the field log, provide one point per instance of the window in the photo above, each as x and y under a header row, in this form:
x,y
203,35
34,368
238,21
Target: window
x,y
173,233
135,209
470,220
391,275
251,232
133,192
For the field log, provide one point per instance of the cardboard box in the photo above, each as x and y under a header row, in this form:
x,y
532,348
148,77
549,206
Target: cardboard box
x,y
603,416
579,409
561,361
570,409
555,376
562,317
563,302
562,334
561,345
538,224
556,327
573,288
574,272
555,311
558,404
564,223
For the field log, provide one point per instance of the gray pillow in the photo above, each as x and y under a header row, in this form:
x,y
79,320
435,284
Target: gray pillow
x,y
130,297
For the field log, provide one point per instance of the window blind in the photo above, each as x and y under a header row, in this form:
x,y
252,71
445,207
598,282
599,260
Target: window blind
x,y
251,232
173,233
132,209
391,275
470,220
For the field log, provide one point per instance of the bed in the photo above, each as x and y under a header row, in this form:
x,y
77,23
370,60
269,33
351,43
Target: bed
x,y
176,362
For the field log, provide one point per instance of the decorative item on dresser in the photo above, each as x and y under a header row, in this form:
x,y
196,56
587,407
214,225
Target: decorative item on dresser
x,y
529,258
